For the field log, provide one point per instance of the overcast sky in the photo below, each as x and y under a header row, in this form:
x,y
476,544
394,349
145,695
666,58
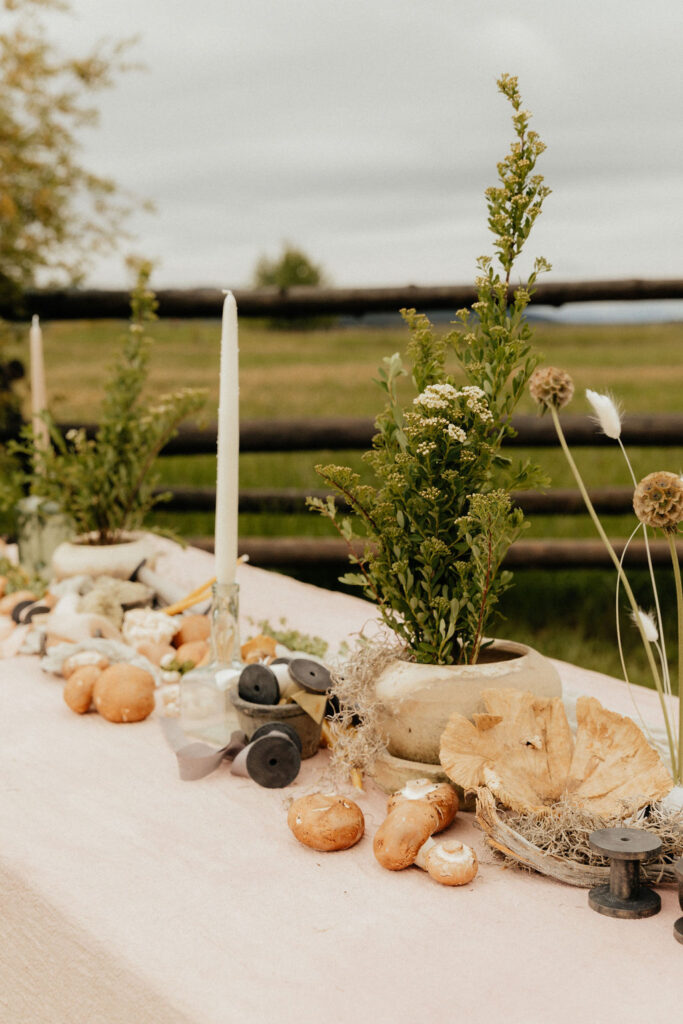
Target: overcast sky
x,y
365,131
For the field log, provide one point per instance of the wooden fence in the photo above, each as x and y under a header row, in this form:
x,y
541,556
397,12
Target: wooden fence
x,y
355,434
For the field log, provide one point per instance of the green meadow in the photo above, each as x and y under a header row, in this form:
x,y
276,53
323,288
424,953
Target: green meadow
x,y
323,373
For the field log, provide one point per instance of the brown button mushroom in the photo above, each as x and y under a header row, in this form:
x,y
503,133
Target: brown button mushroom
x,y
448,862
197,652
415,813
192,627
79,687
124,693
155,652
326,822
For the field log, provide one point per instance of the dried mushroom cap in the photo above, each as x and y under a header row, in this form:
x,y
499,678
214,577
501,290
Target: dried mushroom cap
x,y
658,500
259,648
326,822
613,766
521,749
529,760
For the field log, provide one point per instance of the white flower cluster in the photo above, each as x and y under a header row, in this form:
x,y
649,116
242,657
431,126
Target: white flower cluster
x,y
437,396
476,402
442,396
426,448
456,433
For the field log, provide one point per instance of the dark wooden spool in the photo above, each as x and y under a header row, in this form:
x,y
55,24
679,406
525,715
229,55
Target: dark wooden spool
x,y
678,925
626,849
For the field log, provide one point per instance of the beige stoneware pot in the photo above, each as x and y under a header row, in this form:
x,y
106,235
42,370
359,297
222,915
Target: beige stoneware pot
x,y
76,558
417,700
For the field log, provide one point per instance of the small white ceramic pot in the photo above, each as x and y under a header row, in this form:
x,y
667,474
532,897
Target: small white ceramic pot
x,y
417,700
79,557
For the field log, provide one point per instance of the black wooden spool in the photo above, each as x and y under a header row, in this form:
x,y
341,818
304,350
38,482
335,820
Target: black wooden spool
x,y
258,685
273,761
626,849
678,925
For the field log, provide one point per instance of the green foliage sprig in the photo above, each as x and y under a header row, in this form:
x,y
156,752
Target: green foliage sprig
x,y
438,519
106,483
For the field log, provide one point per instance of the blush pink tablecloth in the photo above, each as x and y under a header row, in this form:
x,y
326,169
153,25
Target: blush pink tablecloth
x,y
130,896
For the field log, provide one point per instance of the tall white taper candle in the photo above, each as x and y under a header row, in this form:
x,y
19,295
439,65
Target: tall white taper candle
x,y
38,390
227,477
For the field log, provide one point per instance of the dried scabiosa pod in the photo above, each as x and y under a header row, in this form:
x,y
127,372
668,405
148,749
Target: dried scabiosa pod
x,y
551,387
658,501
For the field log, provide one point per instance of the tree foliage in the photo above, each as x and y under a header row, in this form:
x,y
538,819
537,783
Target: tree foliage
x,y
55,214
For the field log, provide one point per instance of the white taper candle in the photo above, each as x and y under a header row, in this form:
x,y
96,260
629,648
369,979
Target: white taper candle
x,y
38,390
227,476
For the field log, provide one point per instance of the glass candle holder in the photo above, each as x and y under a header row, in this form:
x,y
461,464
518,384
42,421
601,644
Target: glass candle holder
x,y
206,711
41,528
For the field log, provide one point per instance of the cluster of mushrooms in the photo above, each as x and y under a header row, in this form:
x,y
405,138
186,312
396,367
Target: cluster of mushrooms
x,y
414,815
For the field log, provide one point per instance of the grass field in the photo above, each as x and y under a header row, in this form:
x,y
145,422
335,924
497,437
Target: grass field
x,y
308,374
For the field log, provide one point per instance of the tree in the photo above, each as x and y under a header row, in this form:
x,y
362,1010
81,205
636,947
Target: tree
x,y
290,269
54,213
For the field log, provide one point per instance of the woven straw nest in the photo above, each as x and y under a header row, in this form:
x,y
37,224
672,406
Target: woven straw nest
x,y
556,787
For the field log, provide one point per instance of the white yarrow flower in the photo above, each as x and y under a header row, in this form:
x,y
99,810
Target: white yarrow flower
x,y
607,414
647,621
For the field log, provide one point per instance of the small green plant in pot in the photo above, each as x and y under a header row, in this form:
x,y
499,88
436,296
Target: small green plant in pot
x,y
106,483
438,519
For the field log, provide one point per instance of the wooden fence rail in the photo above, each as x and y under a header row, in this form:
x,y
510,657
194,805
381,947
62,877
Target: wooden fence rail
x,y
206,303
639,430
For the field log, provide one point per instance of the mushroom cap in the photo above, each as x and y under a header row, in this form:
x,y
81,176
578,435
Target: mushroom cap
x,y
197,651
325,821
613,764
124,693
79,687
440,795
192,627
451,862
522,749
402,833
154,652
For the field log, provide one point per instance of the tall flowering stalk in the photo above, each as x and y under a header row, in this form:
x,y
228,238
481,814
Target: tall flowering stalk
x,y
437,520
658,503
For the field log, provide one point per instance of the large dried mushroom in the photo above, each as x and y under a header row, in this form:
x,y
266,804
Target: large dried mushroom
x,y
523,751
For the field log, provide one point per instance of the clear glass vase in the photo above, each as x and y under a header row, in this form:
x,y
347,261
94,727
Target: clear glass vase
x,y
206,711
41,528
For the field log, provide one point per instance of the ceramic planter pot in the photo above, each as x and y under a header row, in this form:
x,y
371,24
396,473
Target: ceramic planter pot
x,y
418,700
78,557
